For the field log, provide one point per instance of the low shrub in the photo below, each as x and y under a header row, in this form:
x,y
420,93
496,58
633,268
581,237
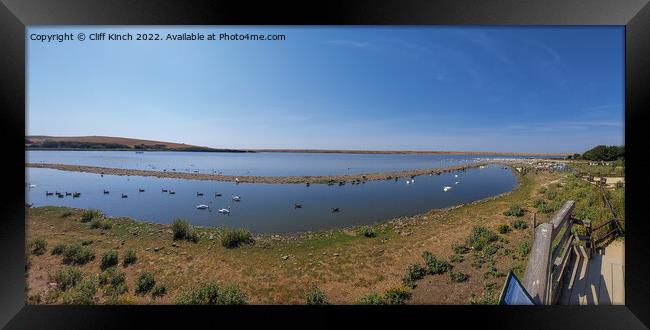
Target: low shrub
x,y
66,214
66,277
158,290
211,294
34,299
129,257
397,295
459,248
114,280
371,299
519,224
314,296
523,248
144,283
480,238
368,232
83,293
58,249
491,249
76,254
38,246
109,259
456,258
457,277
232,238
180,228
414,272
551,194
89,215
503,229
515,211
100,224
435,265
87,242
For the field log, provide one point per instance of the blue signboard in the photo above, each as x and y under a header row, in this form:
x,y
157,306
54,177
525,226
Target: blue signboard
x,y
514,293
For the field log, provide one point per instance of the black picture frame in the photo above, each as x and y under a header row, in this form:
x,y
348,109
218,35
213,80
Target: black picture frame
x,y
16,15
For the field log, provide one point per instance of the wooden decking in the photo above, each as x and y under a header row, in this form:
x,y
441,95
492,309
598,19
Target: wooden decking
x,y
598,281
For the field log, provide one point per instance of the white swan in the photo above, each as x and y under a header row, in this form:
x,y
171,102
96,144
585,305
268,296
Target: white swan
x,y
202,207
446,188
455,175
236,198
224,211
456,182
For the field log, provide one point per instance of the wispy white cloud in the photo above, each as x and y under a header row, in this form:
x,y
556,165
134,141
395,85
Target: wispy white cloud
x,y
351,43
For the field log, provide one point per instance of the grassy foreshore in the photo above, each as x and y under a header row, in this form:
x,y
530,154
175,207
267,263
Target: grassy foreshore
x,y
254,179
382,263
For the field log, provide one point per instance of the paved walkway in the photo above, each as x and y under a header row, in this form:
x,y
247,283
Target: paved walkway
x,y
601,281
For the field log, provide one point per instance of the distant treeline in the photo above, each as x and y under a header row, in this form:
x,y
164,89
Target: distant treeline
x,y
52,144
602,153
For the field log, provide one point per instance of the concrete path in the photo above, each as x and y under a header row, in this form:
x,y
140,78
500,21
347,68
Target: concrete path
x,y
601,281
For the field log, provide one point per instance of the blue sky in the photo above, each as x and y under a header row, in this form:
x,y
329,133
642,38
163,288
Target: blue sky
x,y
525,89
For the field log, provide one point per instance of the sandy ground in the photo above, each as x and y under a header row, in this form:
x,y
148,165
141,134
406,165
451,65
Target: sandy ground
x,y
252,179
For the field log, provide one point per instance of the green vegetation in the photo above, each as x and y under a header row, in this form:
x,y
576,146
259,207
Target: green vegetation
x,y
83,293
66,277
86,242
371,299
109,259
129,258
523,248
38,246
519,224
414,272
458,276
159,290
397,295
52,144
144,283
114,280
76,254
89,215
457,258
232,238
435,265
314,296
58,249
503,229
100,224
604,153
459,248
367,232
183,230
515,210
211,294
480,238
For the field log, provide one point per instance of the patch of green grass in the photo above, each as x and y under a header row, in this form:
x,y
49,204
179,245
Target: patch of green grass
x,y
87,242
397,295
459,248
314,296
435,265
523,248
114,280
38,246
109,259
232,238
34,298
371,299
211,294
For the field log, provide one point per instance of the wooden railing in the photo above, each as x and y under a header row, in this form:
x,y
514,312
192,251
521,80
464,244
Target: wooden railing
x,y
550,254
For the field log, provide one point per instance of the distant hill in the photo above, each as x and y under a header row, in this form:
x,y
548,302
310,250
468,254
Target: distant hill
x,y
110,143
416,152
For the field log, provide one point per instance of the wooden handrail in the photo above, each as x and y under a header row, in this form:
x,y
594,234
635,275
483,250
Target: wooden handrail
x,y
541,278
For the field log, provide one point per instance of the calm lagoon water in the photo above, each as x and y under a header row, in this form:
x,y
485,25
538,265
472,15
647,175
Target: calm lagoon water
x,y
264,208
262,164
